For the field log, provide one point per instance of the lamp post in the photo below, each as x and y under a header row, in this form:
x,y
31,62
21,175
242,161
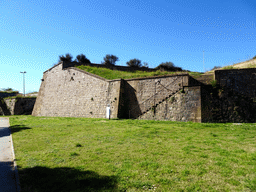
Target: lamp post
x,y
23,82
203,61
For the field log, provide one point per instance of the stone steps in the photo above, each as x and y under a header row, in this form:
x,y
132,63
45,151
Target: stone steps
x,y
159,102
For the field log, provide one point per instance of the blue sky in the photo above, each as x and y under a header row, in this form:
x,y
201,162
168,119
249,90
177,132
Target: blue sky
x,y
33,33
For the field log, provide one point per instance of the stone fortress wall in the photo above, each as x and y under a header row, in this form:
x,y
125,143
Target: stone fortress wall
x,y
20,106
242,81
233,99
10,104
70,92
182,106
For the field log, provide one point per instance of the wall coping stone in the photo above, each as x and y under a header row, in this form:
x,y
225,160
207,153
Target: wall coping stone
x,y
53,67
93,75
242,69
157,77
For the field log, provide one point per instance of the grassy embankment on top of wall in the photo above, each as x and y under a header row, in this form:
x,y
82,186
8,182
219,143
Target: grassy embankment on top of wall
x,y
86,154
19,97
9,91
115,74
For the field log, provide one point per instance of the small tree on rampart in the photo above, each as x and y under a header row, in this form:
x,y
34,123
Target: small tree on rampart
x,y
7,89
134,63
82,59
145,65
110,60
68,57
215,67
168,66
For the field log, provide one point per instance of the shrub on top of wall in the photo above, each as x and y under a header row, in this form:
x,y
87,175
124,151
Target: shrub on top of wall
x,y
19,96
228,67
9,92
214,83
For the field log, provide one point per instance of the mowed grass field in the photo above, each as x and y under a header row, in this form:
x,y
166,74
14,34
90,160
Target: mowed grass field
x,y
82,154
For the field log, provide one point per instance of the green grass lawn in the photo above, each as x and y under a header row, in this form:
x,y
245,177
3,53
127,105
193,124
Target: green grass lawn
x,y
81,154
114,74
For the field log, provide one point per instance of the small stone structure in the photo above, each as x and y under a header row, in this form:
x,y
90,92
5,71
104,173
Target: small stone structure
x,y
17,106
70,92
20,106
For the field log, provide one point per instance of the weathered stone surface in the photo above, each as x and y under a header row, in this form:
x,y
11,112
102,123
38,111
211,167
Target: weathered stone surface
x,y
184,106
71,92
145,93
17,106
222,104
75,93
243,81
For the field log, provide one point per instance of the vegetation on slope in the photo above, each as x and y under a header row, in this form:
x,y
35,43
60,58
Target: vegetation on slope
x,y
8,90
19,96
251,63
85,154
115,74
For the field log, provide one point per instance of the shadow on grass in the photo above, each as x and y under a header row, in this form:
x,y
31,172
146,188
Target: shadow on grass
x,y
64,179
17,128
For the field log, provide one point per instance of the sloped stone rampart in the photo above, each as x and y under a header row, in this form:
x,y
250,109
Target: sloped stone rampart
x,y
72,92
